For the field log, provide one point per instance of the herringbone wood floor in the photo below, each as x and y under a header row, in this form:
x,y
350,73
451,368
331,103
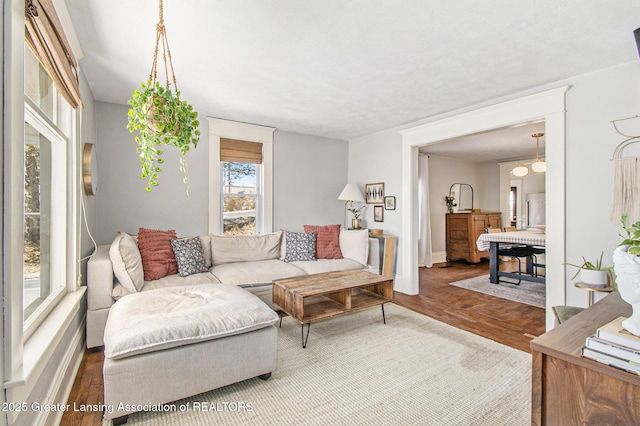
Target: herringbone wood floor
x,y
504,321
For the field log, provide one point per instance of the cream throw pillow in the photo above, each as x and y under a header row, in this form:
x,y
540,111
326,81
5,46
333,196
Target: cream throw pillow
x,y
354,245
127,262
245,248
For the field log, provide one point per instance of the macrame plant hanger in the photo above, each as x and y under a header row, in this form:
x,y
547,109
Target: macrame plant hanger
x,y
626,178
161,39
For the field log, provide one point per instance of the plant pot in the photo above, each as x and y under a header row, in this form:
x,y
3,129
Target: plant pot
x,y
594,278
356,223
627,269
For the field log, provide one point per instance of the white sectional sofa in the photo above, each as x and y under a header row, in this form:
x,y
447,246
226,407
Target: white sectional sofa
x,y
250,262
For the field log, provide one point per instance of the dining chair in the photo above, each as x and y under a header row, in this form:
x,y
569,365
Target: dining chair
x,y
515,251
535,251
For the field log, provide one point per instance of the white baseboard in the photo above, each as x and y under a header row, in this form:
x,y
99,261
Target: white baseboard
x,y
439,257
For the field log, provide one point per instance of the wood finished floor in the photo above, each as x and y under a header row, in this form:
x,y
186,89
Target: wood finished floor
x,y
504,321
510,323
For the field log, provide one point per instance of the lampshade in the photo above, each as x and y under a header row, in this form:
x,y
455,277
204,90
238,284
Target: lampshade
x,y
539,166
520,171
351,193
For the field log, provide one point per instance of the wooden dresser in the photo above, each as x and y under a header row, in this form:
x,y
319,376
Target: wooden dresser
x,y
570,390
463,230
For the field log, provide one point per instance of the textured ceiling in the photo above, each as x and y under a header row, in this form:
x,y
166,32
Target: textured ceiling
x,y
345,69
506,144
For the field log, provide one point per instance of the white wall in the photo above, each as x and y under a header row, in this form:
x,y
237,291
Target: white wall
x,y
592,102
443,172
309,174
89,219
123,203
373,159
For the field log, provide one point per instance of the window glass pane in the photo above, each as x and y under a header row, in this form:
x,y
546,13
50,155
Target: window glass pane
x,y
38,86
238,178
37,220
239,199
239,216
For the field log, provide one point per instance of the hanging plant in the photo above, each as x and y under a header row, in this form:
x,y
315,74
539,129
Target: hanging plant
x,y
161,118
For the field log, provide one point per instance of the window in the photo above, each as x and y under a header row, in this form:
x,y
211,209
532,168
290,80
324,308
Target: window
x,y
226,134
241,174
48,123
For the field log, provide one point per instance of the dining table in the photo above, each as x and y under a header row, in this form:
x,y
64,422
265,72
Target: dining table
x,y
492,241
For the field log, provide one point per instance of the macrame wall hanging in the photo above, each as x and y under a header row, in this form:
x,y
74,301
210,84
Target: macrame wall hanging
x,y
626,178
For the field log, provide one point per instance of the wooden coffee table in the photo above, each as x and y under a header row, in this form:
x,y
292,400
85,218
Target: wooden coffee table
x,y
317,297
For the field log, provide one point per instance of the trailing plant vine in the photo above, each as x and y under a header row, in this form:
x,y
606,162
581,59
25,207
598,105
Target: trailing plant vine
x,y
161,117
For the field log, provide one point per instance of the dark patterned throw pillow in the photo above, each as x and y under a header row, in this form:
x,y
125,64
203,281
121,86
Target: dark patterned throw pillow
x,y
189,255
300,246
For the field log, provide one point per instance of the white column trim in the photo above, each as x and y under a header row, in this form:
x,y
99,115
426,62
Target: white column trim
x,y
219,128
548,106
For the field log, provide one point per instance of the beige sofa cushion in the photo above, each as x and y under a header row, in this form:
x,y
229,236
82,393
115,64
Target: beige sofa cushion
x,y
245,248
169,281
127,262
354,245
260,272
171,317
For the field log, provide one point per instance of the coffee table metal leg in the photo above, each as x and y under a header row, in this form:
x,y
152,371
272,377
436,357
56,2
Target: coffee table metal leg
x,y
304,341
384,319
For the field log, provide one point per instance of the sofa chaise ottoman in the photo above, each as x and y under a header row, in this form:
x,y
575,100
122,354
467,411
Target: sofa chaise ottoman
x,y
172,343
251,262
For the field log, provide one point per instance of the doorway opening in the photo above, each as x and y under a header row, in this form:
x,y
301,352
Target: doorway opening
x,y
547,106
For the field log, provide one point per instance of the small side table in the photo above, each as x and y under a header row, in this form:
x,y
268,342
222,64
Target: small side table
x,y
387,254
592,290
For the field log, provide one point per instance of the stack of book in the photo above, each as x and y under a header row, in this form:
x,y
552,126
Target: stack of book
x,y
614,346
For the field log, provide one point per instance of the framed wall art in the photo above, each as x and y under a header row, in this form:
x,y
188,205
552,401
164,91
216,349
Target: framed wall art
x,y
378,214
389,203
374,193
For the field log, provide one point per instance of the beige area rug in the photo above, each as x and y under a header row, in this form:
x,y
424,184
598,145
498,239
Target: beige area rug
x,y
527,292
357,371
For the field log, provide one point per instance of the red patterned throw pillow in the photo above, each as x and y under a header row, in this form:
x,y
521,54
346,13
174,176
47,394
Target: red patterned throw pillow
x,y
327,241
157,255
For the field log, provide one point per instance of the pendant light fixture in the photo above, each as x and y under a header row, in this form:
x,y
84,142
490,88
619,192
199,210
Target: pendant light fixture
x,y
520,171
539,165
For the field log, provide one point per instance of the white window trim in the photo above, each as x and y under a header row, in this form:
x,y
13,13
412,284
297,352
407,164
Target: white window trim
x,y
24,359
219,128
59,148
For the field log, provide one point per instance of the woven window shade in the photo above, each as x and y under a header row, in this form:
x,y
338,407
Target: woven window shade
x,y
45,37
236,151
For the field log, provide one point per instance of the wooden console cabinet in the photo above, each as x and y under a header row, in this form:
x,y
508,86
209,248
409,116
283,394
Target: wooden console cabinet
x,y
463,230
570,390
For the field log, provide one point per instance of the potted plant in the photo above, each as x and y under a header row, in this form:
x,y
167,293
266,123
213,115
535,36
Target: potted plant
x,y
593,273
451,203
626,261
162,118
356,222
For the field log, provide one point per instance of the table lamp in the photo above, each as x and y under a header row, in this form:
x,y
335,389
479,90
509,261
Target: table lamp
x,y
349,194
